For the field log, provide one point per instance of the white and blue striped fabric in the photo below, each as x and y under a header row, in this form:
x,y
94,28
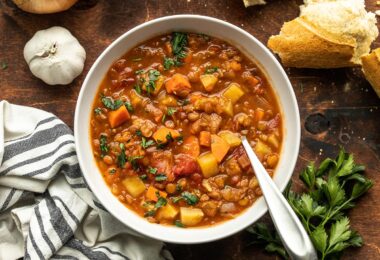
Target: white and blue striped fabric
x,y
46,209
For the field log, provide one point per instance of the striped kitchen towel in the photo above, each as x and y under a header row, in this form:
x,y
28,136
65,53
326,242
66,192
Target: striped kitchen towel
x,y
46,209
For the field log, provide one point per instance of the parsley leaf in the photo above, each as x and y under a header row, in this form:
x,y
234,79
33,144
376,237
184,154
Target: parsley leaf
x,y
134,161
183,102
145,144
152,170
109,103
331,189
178,223
98,110
179,42
153,76
190,198
121,158
129,106
160,177
150,213
171,111
143,177
137,88
160,202
211,70
168,63
103,145
138,132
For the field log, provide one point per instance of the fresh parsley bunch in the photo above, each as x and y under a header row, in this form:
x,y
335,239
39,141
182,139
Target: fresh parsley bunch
x,y
331,189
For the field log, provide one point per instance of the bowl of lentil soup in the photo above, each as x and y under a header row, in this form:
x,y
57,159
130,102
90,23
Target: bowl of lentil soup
x,y
158,125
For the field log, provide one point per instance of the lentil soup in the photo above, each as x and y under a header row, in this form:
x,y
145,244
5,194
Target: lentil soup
x,y
166,128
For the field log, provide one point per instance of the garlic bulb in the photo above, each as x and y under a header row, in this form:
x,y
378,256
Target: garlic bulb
x,y
55,56
44,6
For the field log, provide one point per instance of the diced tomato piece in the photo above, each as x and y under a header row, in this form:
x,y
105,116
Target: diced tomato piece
x,y
185,165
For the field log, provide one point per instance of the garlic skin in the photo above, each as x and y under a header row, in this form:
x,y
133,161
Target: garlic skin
x,y
55,56
44,6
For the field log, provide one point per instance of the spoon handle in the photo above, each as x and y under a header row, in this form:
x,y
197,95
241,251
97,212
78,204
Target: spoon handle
x,y
289,227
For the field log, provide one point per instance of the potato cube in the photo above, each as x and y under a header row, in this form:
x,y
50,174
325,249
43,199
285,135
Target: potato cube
x,y
208,164
232,139
167,212
191,216
233,92
134,186
262,149
208,81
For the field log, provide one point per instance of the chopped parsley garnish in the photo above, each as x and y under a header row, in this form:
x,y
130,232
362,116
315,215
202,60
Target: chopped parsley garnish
x,y
179,42
138,132
183,102
153,76
150,213
171,111
143,177
137,88
129,106
121,158
178,187
211,70
163,118
176,199
169,62
134,161
190,198
179,139
145,144
160,177
178,223
152,170
98,110
112,171
103,145
110,103
169,137
160,202
138,72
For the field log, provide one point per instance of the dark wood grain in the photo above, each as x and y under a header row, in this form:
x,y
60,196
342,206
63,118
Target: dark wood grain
x,y
338,107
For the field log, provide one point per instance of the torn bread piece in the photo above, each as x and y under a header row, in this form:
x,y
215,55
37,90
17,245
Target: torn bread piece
x,y
248,3
327,34
371,69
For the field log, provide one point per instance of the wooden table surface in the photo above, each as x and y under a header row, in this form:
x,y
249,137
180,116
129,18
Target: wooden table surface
x,y
338,107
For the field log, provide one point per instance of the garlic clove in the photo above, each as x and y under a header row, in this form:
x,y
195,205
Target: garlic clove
x,y
55,56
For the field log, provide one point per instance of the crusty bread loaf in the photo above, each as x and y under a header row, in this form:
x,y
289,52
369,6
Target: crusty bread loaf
x,y
371,69
328,34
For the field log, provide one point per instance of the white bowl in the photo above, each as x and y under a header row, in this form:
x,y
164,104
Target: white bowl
x,y
251,47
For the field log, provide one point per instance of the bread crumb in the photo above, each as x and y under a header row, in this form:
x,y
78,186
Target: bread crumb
x,y
377,2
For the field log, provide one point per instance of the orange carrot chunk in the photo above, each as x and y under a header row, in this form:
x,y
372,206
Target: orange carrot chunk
x,y
179,85
163,134
259,114
151,194
205,138
118,117
219,147
190,146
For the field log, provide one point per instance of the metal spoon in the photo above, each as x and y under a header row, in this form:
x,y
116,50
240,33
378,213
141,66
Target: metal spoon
x,y
293,235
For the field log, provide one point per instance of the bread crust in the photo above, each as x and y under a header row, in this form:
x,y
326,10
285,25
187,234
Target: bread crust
x,y
371,69
300,44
